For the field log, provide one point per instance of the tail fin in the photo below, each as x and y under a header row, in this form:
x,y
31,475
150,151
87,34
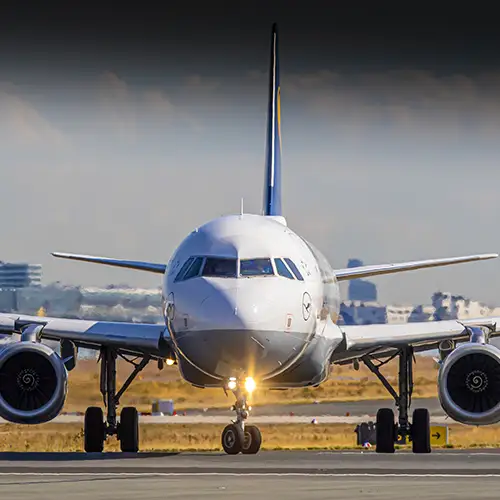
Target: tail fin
x,y
272,186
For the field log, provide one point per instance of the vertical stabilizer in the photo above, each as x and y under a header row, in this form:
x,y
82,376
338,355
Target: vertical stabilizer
x,y
272,186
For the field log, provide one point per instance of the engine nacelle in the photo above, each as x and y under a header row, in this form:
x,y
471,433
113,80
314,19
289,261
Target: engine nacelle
x,y
469,384
33,383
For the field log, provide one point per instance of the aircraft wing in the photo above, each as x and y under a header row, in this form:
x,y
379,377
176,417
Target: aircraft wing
x,y
352,273
381,340
129,264
138,338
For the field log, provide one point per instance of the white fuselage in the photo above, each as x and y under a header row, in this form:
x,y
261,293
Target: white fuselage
x,y
246,296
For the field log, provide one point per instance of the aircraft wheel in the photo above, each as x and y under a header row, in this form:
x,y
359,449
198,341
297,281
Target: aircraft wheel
x,y
421,431
128,430
252,441
231,440
385,431
94,430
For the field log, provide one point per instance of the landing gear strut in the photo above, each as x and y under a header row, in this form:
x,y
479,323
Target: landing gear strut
x,y
96,429
387,432
238,437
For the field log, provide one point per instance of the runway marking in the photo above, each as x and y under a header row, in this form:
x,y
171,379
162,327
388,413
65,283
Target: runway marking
x,y
464,453
243,474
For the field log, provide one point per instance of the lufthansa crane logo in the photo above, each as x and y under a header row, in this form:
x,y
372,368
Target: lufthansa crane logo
x,y
306,306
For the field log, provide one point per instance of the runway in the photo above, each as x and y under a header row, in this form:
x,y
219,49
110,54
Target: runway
x,y
291,475
270,474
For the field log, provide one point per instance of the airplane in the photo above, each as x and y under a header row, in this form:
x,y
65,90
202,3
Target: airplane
x,y
248,304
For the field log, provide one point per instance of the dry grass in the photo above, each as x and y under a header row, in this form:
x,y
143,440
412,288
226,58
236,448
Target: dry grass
x,y
206,437
345,384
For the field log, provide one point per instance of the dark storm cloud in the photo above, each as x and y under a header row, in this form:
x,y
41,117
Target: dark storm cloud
x,y
182,34
124,126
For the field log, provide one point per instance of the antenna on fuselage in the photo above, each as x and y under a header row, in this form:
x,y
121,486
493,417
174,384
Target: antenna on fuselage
x,y
241,207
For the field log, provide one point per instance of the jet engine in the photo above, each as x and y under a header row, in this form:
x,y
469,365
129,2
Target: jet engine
x,y
469,384
33,383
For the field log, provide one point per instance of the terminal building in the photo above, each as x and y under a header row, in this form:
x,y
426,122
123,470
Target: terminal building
x,y
19,275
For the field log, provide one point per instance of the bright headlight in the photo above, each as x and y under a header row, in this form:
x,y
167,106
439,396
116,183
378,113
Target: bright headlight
x,y
249,384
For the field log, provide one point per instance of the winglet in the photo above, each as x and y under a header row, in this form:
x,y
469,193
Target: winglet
x,y
129,264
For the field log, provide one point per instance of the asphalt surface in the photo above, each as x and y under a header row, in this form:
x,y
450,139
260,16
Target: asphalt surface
x,y
338,409
223,420
341,412
266,462
291,475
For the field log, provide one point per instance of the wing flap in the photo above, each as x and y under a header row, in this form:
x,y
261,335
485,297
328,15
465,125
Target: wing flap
x,y
376,270
129,264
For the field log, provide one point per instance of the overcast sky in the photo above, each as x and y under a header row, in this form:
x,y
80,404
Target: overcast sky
x,y
121,132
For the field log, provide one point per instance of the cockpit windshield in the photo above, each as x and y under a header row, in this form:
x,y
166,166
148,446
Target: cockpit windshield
x,y
294,268
220,267
225,267
256,267
282,269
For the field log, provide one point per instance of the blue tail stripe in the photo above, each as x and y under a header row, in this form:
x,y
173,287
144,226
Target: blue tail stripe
x,y
272,187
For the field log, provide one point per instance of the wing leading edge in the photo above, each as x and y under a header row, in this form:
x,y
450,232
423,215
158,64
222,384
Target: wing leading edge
x,y
141,338
130,264
380,339
376,270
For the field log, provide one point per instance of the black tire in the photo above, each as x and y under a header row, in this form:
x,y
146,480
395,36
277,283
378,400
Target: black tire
x,y
252,441
231,441
128,431
421,431
385,431
94,430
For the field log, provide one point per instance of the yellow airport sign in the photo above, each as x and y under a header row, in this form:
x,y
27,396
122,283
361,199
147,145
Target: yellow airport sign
x,y
439,435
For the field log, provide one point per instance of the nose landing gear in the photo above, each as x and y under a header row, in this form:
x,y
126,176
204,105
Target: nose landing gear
x,y
238,437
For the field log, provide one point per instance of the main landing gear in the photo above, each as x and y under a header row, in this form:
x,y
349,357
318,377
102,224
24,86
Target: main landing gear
x,y
387,432
96,429
238,437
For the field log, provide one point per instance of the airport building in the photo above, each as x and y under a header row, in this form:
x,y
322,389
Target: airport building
x,y
19,275
360,290
21,291
448,306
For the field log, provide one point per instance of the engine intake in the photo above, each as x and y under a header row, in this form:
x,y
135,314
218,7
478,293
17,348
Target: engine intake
x,y
469,384
33,383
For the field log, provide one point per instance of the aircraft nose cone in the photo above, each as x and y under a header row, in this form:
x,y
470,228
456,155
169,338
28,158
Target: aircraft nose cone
x,y
256,307
237,308
238,328
218,310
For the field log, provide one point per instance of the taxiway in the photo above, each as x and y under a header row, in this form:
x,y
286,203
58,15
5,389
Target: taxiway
x,y
328,413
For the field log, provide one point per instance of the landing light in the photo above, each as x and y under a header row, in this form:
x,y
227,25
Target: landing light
x,y
231,385
170,361
250,384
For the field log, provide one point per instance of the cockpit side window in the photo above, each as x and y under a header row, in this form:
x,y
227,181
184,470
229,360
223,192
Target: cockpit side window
x,y
282,269
184,268
294,269
256,267
194,269
220,267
